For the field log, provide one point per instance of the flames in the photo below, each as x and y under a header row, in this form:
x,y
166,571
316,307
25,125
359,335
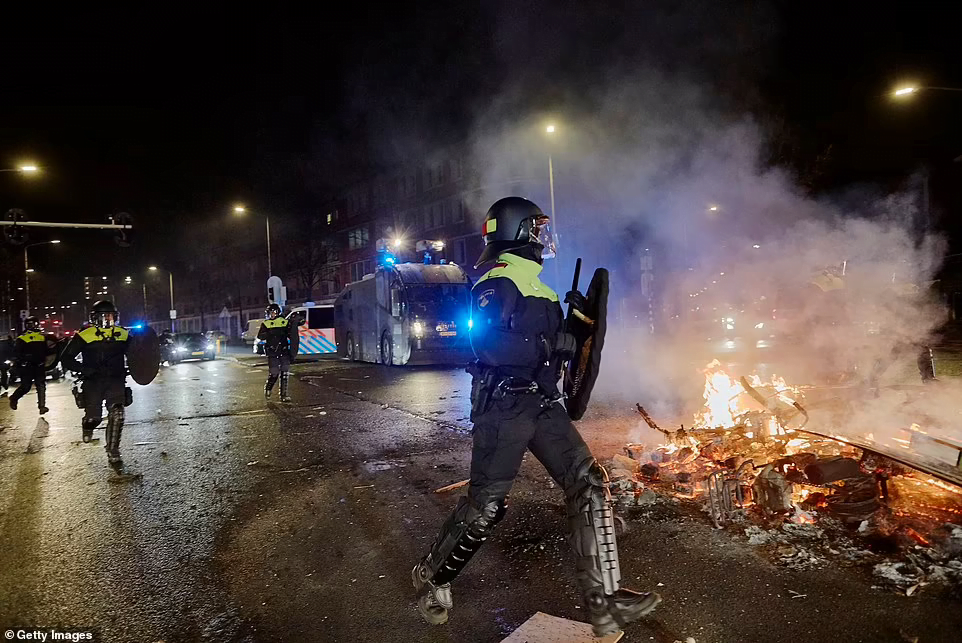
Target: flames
x,y
728,404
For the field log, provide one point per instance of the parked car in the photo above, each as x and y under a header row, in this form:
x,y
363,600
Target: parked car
x,y
192,346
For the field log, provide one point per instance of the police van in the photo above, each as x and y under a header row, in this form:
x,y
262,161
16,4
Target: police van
x,y
315,330
406,313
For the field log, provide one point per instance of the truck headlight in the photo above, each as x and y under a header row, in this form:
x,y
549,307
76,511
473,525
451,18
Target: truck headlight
x,y
417,328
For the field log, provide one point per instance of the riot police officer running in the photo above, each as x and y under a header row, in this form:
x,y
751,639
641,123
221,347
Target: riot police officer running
x,y
30,355
276,334
102,348
518,339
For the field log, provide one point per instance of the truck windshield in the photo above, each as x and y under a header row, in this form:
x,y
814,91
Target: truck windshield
x,y
445,300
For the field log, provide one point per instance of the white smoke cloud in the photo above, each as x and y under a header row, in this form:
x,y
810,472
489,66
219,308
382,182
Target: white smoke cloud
x,y
653,163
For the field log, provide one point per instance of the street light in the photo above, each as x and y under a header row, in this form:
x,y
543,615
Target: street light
x,y
240,209
23,169
913,89
172,308
27,269
550,130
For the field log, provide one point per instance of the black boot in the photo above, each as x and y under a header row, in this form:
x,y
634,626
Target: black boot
x,y
434,601
115,427
269,386
284,396
610,607
42,399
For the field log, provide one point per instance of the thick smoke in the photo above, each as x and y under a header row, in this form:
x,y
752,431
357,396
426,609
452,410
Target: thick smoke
x,y
744,265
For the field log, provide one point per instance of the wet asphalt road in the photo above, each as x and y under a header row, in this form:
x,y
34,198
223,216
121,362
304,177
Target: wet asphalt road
x,y
267,522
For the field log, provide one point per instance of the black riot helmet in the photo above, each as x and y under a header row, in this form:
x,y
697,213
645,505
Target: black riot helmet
x,y
272,311
515,222
31,323
104,314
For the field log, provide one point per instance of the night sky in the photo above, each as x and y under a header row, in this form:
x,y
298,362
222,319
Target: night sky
x,y
174,116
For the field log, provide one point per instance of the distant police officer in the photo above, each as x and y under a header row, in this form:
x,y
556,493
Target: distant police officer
x,y
276,331
6,359
30,355
518,340
102,348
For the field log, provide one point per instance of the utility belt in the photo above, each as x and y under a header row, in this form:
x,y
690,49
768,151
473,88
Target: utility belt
x,y
488,385
78,395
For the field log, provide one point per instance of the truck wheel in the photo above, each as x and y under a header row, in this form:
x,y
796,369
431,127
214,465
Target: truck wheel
x,y
387,349
351,349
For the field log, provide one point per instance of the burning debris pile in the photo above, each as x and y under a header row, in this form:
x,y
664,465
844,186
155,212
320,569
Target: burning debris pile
x,y
749,458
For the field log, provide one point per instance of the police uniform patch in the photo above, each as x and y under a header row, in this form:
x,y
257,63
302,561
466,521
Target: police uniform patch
x,y
484,298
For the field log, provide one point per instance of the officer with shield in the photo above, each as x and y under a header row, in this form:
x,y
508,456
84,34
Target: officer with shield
x,y
519,341
30,356
102,348
280,346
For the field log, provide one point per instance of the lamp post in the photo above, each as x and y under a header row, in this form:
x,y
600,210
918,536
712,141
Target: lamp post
x,y
241,210
27,270
550,130
172,308
900,94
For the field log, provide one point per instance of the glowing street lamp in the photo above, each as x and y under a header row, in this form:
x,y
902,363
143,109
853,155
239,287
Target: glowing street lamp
x,y
908,90
27,168
240,209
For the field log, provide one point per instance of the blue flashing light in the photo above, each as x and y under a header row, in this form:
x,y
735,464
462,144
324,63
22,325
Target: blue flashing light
x,y
470,324
389,261
139,326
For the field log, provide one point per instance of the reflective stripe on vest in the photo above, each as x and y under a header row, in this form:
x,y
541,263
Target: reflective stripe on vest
x,y
523,273
280,322
96,334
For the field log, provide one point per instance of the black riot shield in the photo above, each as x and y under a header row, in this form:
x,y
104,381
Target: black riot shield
x,y
54,348
295,337
143,355
589,331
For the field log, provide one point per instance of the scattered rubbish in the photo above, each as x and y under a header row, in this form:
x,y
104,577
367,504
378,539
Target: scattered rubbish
x,y
757,535
365,486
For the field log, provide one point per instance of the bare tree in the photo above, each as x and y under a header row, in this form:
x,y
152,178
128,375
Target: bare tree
x,y
308,256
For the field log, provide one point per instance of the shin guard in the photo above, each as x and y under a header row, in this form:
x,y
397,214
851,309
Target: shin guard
x,y
115,427
461,536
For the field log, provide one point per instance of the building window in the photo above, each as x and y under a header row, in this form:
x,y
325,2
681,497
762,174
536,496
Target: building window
x,y
330,218
357,238
456,169
361,268
458,210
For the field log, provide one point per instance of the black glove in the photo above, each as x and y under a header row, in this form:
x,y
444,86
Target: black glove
x,y
576,299
564,346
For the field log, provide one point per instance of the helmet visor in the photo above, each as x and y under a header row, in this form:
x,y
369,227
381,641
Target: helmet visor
x,y
104,319
541,233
